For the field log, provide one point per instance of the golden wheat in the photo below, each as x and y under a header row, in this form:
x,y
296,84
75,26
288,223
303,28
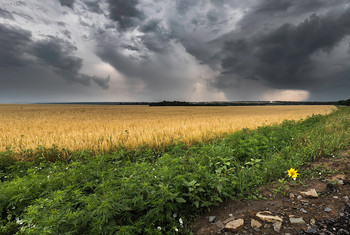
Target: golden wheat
x,y
97,127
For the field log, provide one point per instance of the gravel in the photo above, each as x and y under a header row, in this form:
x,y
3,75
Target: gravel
x,y
339,226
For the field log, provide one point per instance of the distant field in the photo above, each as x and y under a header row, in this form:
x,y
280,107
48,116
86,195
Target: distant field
x,y
95,127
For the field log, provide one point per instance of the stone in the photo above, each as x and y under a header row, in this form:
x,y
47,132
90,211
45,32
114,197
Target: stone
x,y
220,225
299,197
346,198
303,210
338,177
211,219
343,231
311,231
255,224
267,216
277,227
228,220
327,209
296,220
310,193
230,215
312,222
291,195
235,225
335,197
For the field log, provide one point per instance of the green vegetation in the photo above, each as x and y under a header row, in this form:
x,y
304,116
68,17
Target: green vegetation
x,y
345,102
144,192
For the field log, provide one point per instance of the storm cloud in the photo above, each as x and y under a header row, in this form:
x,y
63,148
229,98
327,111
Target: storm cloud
x,y
283,57
14,43
182,49
58,54
67,3
18,49
126,13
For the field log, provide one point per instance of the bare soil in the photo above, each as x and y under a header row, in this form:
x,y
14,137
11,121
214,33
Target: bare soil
x,y
330,178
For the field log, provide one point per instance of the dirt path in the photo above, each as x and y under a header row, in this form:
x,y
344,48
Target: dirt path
x,y
330,178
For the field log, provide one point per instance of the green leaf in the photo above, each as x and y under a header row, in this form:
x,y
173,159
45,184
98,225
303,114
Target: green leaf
x,y
180,200
196,203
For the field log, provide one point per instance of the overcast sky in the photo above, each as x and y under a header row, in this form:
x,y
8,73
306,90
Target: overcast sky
x,y
153,50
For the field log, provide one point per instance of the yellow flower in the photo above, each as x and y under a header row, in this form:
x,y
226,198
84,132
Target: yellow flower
x,y
293,173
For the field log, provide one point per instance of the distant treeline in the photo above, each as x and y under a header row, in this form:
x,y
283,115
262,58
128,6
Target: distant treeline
x,y
344,102
216,103
244,103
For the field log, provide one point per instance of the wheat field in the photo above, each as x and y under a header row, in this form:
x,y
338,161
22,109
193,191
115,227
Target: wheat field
x,y
104,128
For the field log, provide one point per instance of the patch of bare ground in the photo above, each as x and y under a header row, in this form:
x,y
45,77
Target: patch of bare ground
x,y
325,214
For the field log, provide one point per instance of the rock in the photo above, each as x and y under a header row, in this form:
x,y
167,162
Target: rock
x,y
266,226
255,224
303,210
312,222
228,220
338,177
211,219
346,198
311,231
291,195
299,197
230,215
296,220
327,209
267,217
335,197
235,225
220,225
277,227
343,231
310,193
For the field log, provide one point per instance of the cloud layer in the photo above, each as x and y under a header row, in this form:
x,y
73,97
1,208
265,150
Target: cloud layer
x,y
186,50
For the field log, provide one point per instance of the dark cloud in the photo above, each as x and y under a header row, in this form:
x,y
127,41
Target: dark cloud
x,y
268,14
130,47
67,33
182,6
6,14
67,3
61,24
93,6
58,54
14,42
294,6
126,13
24,16
282,58
156,38
18,49
146,73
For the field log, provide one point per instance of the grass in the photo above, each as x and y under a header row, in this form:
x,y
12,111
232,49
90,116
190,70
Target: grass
x,y
157,192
